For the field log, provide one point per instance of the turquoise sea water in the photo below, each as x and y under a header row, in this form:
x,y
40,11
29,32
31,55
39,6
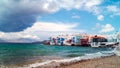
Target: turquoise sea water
x,y
19,54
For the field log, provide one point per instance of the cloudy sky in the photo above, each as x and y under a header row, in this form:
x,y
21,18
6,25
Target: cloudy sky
x,y
30,20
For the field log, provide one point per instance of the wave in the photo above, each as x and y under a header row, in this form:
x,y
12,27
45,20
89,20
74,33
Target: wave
x,y
56,63
117,50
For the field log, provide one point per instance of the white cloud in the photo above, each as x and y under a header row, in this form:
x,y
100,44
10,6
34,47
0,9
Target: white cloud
x,y
103,28
46,29
56,5
91,3
76,16
40,31
93,6
52,26
113,9
100,17
16,35
88,5
107,28
50,6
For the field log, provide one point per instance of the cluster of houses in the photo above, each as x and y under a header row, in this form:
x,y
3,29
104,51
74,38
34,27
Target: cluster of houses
x,y
85,40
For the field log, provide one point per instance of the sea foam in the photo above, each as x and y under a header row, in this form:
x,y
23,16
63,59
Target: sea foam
x,y
56,63
117,50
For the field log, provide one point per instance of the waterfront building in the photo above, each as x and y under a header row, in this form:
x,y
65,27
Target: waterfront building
x,y
85,40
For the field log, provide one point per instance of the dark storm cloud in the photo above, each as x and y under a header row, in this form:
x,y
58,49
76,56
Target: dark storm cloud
x,y
17,15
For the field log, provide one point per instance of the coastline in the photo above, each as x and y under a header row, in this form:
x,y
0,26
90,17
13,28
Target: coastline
x,y
62,63
103,62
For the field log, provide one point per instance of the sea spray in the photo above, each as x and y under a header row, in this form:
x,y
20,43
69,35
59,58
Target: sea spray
x,y
117,50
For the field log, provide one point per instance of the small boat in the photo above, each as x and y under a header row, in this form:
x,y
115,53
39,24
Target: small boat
x,y
98,41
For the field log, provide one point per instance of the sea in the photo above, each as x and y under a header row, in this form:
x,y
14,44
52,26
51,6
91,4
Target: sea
x,y
13,55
